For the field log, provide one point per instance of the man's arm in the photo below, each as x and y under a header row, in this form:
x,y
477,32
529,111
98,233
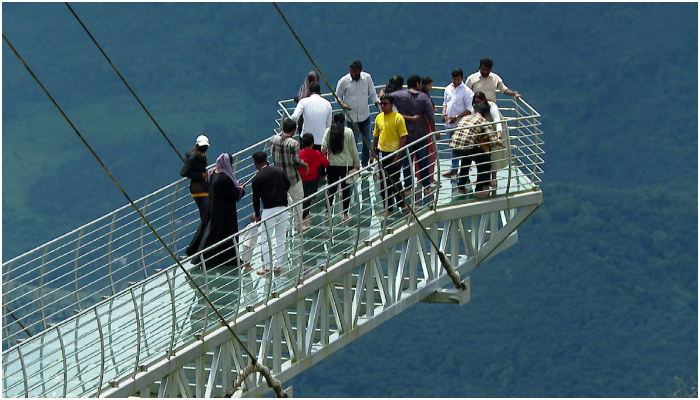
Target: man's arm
x,y
374,149
504,89
256,201
444,105
371,92
340,92
469,83
431,123
429,113
469,99
512,93
403,134
402,141
299,110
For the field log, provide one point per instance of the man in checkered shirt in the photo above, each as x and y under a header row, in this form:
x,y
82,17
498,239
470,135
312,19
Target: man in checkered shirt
x,y
473,143
285,153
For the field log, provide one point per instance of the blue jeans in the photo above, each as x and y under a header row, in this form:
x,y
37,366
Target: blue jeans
x,y
364,128
455,161
422,154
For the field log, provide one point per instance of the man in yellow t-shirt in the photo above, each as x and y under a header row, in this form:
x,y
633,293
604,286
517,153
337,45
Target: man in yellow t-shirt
x,y
389,136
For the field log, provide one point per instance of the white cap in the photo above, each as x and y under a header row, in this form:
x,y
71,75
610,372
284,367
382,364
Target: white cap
x,y
202,140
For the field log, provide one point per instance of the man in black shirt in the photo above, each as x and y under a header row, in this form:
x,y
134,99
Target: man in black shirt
x,y
270,185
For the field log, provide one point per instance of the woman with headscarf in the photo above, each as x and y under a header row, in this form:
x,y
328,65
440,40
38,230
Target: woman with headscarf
x,y
304,92
222,219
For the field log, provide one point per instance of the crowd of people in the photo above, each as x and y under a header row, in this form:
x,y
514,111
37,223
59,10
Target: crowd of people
x,y
327,148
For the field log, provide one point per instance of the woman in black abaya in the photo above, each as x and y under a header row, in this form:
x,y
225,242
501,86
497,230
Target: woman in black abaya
x,y
222,221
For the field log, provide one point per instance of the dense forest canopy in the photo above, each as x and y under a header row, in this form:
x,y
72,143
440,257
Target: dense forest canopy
x,y
599,298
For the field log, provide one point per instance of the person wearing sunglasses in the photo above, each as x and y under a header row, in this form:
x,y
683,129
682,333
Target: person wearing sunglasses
x,y
389,137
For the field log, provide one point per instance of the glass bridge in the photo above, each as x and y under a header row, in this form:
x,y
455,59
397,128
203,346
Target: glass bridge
x,y
104,310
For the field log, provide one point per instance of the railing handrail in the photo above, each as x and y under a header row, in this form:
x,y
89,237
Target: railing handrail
x,y
181,180
112,302
262,142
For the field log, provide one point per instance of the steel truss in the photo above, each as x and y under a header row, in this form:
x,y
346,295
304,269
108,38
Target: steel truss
x,y
306,324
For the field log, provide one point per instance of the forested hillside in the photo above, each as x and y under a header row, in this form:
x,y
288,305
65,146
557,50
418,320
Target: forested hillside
x,y
598,299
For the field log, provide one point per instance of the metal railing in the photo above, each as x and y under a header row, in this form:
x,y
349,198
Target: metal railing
x,y
82,321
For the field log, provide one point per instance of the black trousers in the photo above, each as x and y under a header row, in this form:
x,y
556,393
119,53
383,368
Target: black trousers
x,y
310,187
336,173
202,203
393,169
483,166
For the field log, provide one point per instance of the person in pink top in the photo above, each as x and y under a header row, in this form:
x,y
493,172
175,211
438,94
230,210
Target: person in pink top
x,y
309,177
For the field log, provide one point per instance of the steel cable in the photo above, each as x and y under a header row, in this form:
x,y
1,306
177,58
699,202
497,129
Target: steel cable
x,y
125,83
443,258
278,388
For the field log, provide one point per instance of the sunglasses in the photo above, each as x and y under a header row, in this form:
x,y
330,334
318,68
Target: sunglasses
x,y
384,103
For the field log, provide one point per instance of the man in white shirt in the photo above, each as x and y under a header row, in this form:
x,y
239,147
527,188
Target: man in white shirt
x,y
354,90
317,113
486,81
457,103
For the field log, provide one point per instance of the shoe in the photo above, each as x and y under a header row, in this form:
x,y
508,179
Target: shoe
x,y
482,193
264,271
302,226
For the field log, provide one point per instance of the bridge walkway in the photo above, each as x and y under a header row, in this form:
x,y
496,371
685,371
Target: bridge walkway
x,y
137,327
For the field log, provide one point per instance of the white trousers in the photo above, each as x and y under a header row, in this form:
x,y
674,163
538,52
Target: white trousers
x,y
296,192
273,230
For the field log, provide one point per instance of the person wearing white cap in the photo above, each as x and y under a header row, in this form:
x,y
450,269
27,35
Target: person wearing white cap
x,y
195,168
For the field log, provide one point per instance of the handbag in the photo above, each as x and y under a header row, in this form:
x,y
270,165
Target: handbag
x,y
351,180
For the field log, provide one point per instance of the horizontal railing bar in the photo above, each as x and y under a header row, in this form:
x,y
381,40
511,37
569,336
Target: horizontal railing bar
x,y
529,161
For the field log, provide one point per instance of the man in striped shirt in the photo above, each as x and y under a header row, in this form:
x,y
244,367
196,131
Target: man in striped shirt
x,y
285,154
472,143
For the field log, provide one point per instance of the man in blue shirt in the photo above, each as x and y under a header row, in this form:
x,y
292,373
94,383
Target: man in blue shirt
x,y
417,109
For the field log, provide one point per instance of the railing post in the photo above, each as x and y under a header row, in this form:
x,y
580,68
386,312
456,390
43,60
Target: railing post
x,y
172,309
24,372
109,253
5,288
172,218
41,287
138,332
206,292
357,187
438,180
102,352
271,267
75,271
143,252
65,362
330,224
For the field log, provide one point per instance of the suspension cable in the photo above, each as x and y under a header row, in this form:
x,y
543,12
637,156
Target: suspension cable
x,y
124,80
21,325
443,258
277,386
